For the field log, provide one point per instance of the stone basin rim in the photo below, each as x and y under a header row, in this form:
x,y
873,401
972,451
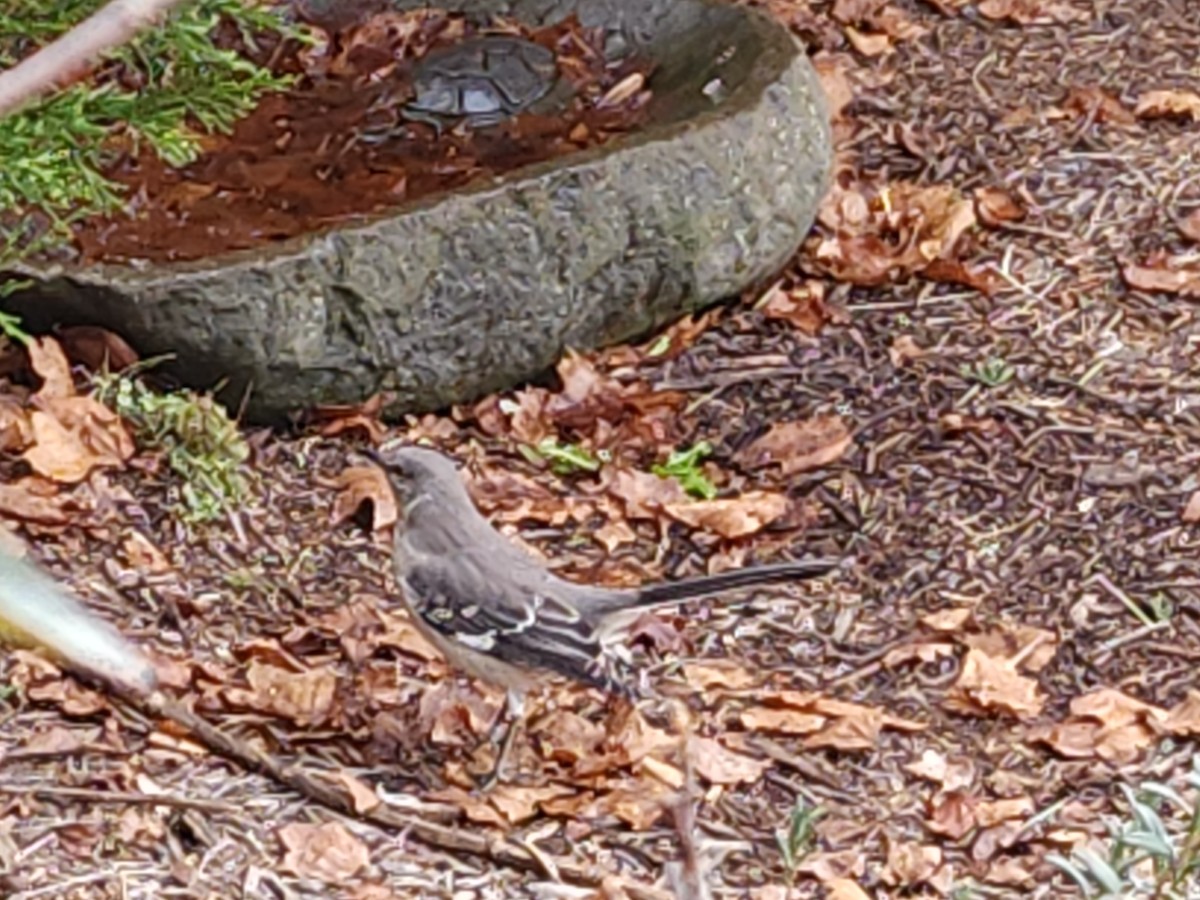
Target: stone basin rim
x,y
779,49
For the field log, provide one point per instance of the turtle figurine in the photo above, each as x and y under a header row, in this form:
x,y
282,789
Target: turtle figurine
x,y
482,80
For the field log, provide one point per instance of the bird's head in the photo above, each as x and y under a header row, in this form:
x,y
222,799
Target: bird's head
x,y
416,472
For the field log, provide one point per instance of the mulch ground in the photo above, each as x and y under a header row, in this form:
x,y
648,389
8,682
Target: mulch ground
x,y
1015,634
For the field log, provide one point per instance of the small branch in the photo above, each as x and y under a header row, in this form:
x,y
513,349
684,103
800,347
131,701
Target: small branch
x,y
61,62
125,797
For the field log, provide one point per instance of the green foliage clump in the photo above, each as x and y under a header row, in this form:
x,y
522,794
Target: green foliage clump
x,y
1151,853
157,90
684,467
199,441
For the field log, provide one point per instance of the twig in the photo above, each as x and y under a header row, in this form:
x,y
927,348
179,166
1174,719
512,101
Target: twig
x,y
688,875
65,59
128,797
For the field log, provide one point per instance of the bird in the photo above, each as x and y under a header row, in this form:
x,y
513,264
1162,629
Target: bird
x,y
496,613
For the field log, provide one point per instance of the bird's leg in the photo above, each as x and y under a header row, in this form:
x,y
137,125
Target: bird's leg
x,y
515,714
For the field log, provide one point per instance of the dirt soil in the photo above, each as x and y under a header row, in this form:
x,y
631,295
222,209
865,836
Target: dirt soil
x,y
977,383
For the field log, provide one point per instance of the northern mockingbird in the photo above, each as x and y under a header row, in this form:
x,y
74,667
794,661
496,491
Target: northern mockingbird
x,y
496,612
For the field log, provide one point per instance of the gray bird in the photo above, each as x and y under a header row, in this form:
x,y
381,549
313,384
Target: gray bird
x,y
496,612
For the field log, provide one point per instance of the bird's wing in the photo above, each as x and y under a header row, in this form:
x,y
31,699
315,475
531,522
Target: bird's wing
x,y
531,627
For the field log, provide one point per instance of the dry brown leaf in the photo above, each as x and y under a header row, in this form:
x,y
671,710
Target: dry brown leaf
x,y
1191,512
331,420
644,494
34,499
1105,724
995,206
1183,719
75,436
96,348
305,698
56,741
802,306
801,445
948,620
952,815
16,433
327,852
1029,648
951,775
896,24
992,812
1189,226
904,350
454,716
852,12
839,93
613,534
639,805
845,889
566,737
733,517
362,796
1012,870
784,720
829,723
143,556
359,484
987,684
1164,273
902,229
50,363
1168,104
729,676
715,762
1031,12
1098,104
869,45
910,864
921,652
517,803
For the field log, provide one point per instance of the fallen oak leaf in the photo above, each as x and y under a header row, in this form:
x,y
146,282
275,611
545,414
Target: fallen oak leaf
x,y
305,698
799,446
327,852
1170,275
988,684
731,517
1168,104
48,361
1106,724
716,763
69,454
96,348
34,499
361,484
1099,104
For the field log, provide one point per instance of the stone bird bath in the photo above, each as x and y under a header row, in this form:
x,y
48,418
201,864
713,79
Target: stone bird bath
x,y
459,294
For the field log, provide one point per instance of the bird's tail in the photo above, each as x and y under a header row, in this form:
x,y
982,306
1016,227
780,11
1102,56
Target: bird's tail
x,y
707,585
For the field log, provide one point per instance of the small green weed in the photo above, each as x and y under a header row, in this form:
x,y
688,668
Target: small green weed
x,y
1148,855
992,372
567,458
796,840
684,467
200,442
